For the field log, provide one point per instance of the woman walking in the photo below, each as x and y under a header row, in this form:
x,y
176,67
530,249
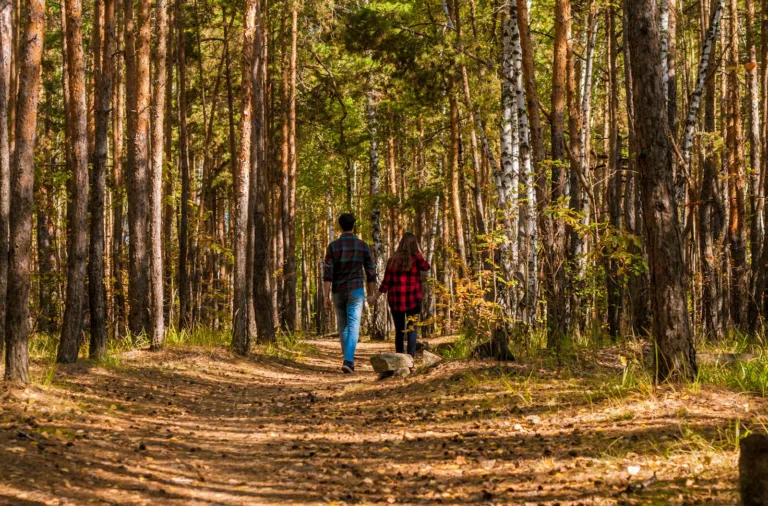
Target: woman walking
x,y
402,284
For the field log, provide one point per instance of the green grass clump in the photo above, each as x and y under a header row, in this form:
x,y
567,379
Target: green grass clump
x,y
288,346
749,376
198,336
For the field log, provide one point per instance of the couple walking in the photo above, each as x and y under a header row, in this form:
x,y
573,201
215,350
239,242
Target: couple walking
x,y
347,259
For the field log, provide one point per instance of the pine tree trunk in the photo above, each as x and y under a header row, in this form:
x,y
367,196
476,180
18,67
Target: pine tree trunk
x,y
710,211
46,257
168,182
735,162
97,296
243,273
137,110
77,215
262,281
761,286
755,165
288,304
6,43
185,306
555,243
577,189
156,176
637,286
22,187
118,187
613,284
671,326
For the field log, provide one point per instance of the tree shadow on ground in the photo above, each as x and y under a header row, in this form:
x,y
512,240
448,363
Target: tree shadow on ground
x,y
187,427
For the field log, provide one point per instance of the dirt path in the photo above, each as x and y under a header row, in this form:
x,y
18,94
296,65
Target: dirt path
x,y
199,426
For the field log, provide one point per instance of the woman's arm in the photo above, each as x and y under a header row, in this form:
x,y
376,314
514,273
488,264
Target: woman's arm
x,y
421,262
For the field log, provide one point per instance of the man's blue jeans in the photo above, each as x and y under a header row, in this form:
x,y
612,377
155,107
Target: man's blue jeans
x,y
349,310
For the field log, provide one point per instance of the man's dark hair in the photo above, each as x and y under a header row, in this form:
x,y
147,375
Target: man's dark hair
x,y
347,222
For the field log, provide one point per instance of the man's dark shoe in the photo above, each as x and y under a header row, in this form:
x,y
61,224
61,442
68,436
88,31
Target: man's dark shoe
x,y
348,367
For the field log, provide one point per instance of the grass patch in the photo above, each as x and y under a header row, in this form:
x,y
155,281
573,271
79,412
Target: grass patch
x,y
198,336
460,349
289,347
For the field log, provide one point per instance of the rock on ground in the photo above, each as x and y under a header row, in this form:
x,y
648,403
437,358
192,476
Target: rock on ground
x,y
427,358
384,362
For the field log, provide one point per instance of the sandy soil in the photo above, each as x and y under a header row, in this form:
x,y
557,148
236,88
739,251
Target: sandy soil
x,y
199,426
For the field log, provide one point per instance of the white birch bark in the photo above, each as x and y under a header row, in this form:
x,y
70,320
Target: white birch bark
x,y
507,178
664,34
527,223
379,319
693,108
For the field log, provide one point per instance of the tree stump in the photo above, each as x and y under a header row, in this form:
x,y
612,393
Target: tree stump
x,y
753,470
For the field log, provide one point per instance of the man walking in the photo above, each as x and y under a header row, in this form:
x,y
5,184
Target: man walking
x,y
345,260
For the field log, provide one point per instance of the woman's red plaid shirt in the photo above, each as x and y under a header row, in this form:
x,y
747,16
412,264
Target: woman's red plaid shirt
x,y
403,288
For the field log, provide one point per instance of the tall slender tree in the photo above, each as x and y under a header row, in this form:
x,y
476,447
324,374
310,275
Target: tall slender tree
x,y
77,214
262,285
555,243
6,48
138,167
737,234
243,272
96,272
22,185
676,356
156,175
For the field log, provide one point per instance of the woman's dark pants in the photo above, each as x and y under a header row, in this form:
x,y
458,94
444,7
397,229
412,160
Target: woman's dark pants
x,y
405,324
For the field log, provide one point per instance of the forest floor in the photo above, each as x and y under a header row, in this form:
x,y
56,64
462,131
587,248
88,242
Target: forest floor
x,y
195,425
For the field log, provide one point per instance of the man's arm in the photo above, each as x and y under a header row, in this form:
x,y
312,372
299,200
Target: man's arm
x,y
370,273
327,294
327,277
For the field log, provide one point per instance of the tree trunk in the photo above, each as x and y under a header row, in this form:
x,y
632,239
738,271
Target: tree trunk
x,y
77,215
6,44
156,176
527,265
710,212
183,231
676,356
613,284
577,190
760,292
537,193
138,104
262,286
456,199
555,244
507,180
379,318
243,273
288,303
46,258
737,237
97,296
168,181
755,190
118,190
22,187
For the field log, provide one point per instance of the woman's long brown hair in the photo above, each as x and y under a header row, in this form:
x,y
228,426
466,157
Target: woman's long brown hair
x,y
402,260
